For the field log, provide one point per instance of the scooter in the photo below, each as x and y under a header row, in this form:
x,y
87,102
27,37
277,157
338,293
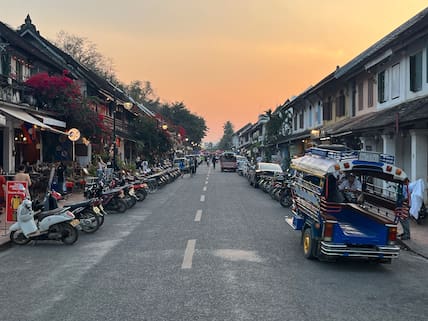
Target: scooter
x,y
58,224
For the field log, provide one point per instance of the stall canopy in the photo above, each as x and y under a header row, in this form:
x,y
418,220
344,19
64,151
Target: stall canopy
x,y
23,115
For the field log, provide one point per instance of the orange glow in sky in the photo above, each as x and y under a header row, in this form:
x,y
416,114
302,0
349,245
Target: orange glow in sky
x,y
227,60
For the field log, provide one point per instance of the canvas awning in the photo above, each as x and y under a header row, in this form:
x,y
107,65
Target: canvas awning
x,y
23,115
51,121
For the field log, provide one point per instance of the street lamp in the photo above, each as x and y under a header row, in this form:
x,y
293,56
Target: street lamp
x,y
127,106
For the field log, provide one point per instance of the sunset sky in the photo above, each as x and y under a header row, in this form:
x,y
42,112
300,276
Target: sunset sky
x,y
225,59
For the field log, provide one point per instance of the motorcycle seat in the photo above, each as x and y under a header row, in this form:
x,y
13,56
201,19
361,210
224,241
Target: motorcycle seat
x,y
40,216
80,204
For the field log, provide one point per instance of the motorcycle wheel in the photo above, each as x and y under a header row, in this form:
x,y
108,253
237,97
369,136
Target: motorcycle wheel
x,y
131,201
19,238
93,218
286,200
120,205
69,234
141,196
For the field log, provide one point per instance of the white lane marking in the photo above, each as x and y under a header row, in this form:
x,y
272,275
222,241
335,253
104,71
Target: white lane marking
x,y
206,182
204,189
202,198
188,254
198,215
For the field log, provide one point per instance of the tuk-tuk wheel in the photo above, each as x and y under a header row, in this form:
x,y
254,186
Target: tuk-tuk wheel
x,y
308,244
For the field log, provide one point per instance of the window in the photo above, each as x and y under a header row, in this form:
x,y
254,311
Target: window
x,y
395,81
301,120
360,96
319,113
370,98
19,70
327,112
416,72
310,116
340,104
382,94
295,122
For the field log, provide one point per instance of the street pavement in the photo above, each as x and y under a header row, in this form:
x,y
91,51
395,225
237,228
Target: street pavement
x,y
417,244
207,247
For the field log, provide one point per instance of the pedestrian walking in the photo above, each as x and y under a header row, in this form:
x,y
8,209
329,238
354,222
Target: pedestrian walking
x,y
214,160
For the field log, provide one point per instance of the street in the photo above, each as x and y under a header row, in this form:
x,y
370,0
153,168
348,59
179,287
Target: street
x,y
207,247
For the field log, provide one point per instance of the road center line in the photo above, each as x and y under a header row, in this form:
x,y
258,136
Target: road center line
x,y
202,198
204,189
198,216
188,254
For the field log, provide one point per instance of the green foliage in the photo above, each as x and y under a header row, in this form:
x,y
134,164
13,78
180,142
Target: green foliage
x,y
179,115
226,141
151,141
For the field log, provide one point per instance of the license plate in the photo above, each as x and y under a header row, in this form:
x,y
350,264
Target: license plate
x,y
74,222
96,210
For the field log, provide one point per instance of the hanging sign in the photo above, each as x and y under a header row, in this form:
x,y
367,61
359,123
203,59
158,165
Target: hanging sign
x,y
73,134
15,194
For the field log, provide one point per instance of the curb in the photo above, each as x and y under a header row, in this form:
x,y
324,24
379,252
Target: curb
x,y
408,248
4,246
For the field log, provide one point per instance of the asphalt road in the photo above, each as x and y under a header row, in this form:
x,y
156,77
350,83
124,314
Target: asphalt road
x,y
208,247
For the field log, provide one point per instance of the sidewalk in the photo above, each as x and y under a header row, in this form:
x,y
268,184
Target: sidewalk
x,y
419,238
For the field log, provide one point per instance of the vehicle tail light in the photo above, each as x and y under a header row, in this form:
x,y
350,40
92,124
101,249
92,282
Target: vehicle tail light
x,y
398,171
392,234
346,165
69,214
337,167
388,168
328,231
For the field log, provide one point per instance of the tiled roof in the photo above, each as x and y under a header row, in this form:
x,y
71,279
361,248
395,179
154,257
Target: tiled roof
x,y
385,41
407,114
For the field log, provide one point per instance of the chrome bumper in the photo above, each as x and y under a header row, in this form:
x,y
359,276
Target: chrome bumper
x,y
385,251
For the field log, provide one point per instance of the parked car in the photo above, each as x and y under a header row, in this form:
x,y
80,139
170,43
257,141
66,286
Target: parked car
x,y
263,169
241,162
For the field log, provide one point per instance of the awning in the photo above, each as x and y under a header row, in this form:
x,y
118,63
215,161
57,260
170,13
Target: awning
x,y
51,121
23,115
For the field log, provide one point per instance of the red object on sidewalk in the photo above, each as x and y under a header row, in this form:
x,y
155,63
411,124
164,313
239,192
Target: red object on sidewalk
x,y
15,194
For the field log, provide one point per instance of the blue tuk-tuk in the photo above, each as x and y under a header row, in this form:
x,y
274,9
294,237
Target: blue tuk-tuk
x,y
335,225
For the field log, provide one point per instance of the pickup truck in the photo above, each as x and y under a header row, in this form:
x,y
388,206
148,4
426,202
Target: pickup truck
x,y
333,225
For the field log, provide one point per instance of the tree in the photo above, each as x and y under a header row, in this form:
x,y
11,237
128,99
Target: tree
x,y
226,141
62,95
86,53
152,142
179,115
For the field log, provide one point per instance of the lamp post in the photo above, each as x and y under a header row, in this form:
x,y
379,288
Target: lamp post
x,y
127,106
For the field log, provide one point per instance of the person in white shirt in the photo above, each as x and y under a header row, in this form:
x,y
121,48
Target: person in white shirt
x,y
351,187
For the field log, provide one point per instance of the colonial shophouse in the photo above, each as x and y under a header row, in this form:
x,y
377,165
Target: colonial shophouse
x,y
376,102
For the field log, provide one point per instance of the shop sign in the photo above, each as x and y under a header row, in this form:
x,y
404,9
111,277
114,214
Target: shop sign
x,y
15,194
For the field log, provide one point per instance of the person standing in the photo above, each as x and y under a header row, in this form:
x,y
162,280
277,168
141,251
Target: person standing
x,y
21,176
60,173
3,188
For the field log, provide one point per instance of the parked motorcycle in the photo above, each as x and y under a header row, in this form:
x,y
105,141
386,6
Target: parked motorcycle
x,y
286,197
58,224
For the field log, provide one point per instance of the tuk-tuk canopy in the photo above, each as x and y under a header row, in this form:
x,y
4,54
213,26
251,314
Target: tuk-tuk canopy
x,y
320,162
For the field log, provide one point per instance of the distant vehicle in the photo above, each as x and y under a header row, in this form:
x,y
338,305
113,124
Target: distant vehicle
x,y
228,161
262,169
178,160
